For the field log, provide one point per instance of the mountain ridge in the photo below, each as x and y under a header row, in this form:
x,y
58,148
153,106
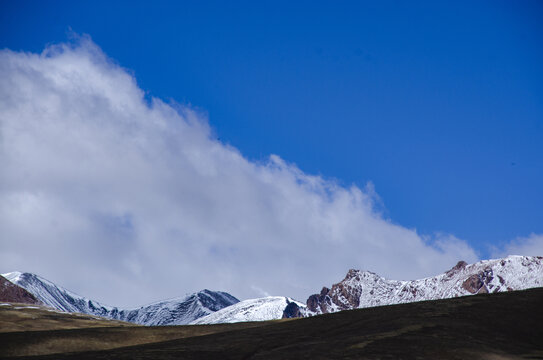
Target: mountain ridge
x,y
260,309
176,311
361,289
505,325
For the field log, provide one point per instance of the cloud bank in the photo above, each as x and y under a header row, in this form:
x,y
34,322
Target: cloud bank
x,y
128,200
531,245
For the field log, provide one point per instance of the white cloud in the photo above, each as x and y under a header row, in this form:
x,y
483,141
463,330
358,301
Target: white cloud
x,y
129,202
531,246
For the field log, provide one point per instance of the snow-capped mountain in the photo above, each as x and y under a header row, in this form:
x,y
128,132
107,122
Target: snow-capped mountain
x,y
267,308
361,289
176,311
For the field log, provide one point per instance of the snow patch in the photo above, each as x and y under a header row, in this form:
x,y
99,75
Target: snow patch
x,y
261,309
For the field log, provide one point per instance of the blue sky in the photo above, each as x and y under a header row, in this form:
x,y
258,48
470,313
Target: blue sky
x,y
438,104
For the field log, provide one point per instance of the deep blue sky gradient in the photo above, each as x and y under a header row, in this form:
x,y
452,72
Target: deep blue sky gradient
x,y
439,104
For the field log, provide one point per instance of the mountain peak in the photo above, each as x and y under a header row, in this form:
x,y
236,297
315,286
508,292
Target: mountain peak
x,y
12,276
366,289
267,308
460,265
176,311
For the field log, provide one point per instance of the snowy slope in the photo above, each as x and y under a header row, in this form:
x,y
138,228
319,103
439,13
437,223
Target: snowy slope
x,y
267,308
176,311
359,289
362,289
179,311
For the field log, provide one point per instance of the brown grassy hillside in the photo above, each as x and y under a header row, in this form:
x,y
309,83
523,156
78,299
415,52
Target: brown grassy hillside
x,y
496,326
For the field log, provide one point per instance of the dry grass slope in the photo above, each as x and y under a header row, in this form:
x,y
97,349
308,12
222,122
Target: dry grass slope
x,y
497,326
26,317
29,330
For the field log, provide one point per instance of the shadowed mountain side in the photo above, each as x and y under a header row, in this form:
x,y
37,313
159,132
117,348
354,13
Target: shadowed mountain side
x,y
505,326
10,292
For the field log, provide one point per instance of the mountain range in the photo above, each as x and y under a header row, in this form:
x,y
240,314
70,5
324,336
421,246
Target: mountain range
x,y
178,311
359,289
362,289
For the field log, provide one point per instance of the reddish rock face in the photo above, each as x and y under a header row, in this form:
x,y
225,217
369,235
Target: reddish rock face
x,y
478,283
350,294
459,266
319,300
367,289
10,292
344,297
473,284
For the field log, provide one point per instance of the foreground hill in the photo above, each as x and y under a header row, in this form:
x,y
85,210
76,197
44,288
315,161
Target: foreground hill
x,y
27,330
178,311
489,326
27,317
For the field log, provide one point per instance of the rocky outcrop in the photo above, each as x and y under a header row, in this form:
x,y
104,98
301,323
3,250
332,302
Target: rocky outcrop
x,y
481,282
10,292
461,265
318,302
292,311
343,295
473,284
